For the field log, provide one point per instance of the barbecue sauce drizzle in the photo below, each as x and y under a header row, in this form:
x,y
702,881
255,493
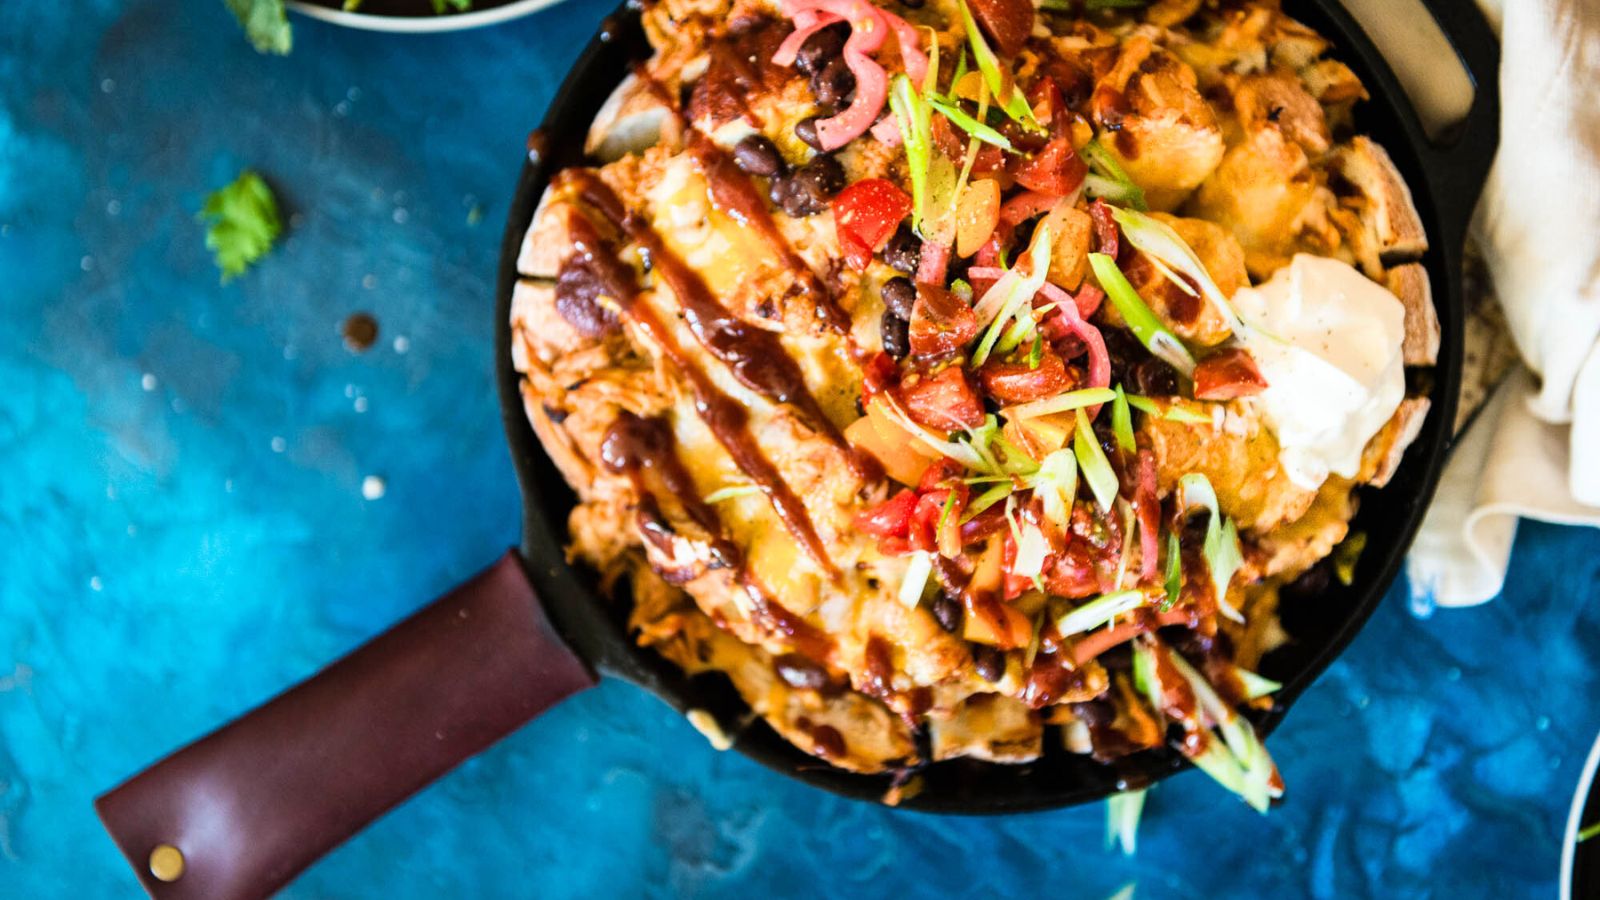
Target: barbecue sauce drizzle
x,y
726,418
640,448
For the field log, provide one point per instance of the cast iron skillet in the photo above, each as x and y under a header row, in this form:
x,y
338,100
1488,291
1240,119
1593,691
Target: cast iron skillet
x,y
250,806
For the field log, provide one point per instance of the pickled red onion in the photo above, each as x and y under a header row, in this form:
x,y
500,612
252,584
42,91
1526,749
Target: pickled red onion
x,y
869,27
806,23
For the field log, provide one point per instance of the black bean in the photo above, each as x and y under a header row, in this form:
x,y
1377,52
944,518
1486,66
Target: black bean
x,y
800,672
833,84
812,186
779,189
822,47
896,335
903,252
1094,712
1154,378
755,155
947,612
806,130
989,662
899,295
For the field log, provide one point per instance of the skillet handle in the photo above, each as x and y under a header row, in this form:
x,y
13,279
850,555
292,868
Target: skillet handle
x,y
250,806
1457,166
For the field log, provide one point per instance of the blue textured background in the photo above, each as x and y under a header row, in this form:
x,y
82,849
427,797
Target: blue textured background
x,y
182,531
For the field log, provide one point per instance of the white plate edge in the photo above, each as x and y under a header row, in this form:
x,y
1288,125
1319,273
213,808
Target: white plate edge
x,y
1569,840
421,24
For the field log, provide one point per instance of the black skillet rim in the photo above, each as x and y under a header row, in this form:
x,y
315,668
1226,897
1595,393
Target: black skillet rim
x,y
1322,627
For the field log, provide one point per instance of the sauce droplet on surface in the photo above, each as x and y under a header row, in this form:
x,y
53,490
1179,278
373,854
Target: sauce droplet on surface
x,y
360,332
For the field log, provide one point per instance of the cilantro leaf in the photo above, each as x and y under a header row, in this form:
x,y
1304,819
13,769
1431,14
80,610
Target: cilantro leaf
x,y
241,223
265,24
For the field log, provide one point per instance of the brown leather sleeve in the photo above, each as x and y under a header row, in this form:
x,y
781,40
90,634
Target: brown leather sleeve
x,y
251,805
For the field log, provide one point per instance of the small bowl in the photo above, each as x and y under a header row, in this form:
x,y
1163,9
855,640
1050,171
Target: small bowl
x,y
417,16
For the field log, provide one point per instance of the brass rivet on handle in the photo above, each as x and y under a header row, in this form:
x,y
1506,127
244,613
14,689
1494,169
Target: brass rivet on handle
x,y
166,863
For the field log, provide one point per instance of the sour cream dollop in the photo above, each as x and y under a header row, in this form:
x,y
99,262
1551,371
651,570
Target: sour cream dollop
x,y
1327,339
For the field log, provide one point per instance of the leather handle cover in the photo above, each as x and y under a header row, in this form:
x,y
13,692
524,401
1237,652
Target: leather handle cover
x,y
253,804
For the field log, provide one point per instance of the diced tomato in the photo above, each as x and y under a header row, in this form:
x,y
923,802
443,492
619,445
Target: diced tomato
x,y
1014,585
939,475
1073,574
944,402
946,138
878,374
980,526
1007,22
1105,229
1017,382
1055,170
1025,206
990,159
865,214
1227,374
891,518
941,322
1044,97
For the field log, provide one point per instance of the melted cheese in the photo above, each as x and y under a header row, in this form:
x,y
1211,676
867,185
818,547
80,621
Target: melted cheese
x,y
1329,347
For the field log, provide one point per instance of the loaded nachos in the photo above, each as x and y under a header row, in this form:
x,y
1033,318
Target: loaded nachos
x,y
960,376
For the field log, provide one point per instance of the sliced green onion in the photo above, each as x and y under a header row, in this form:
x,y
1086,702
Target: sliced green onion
x,y
1224,556
1092,460
960,452
1155,336
1014,298
980,438
930,79
1144,674
1056,486
1015,461
1107,179
1238,762
1126,510
730,492
912,115
1099,611
1223,768
1221,548
1174,571
1032,548
944,514
1346,555
1163,245
916,580
1175,412
1589,832
1122,422
1036,352
1239,735
987,499
1060,403
971,126
1015,104
1255,685
1122,819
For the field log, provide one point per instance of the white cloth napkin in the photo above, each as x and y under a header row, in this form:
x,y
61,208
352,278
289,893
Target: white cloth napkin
x,y
1535,450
